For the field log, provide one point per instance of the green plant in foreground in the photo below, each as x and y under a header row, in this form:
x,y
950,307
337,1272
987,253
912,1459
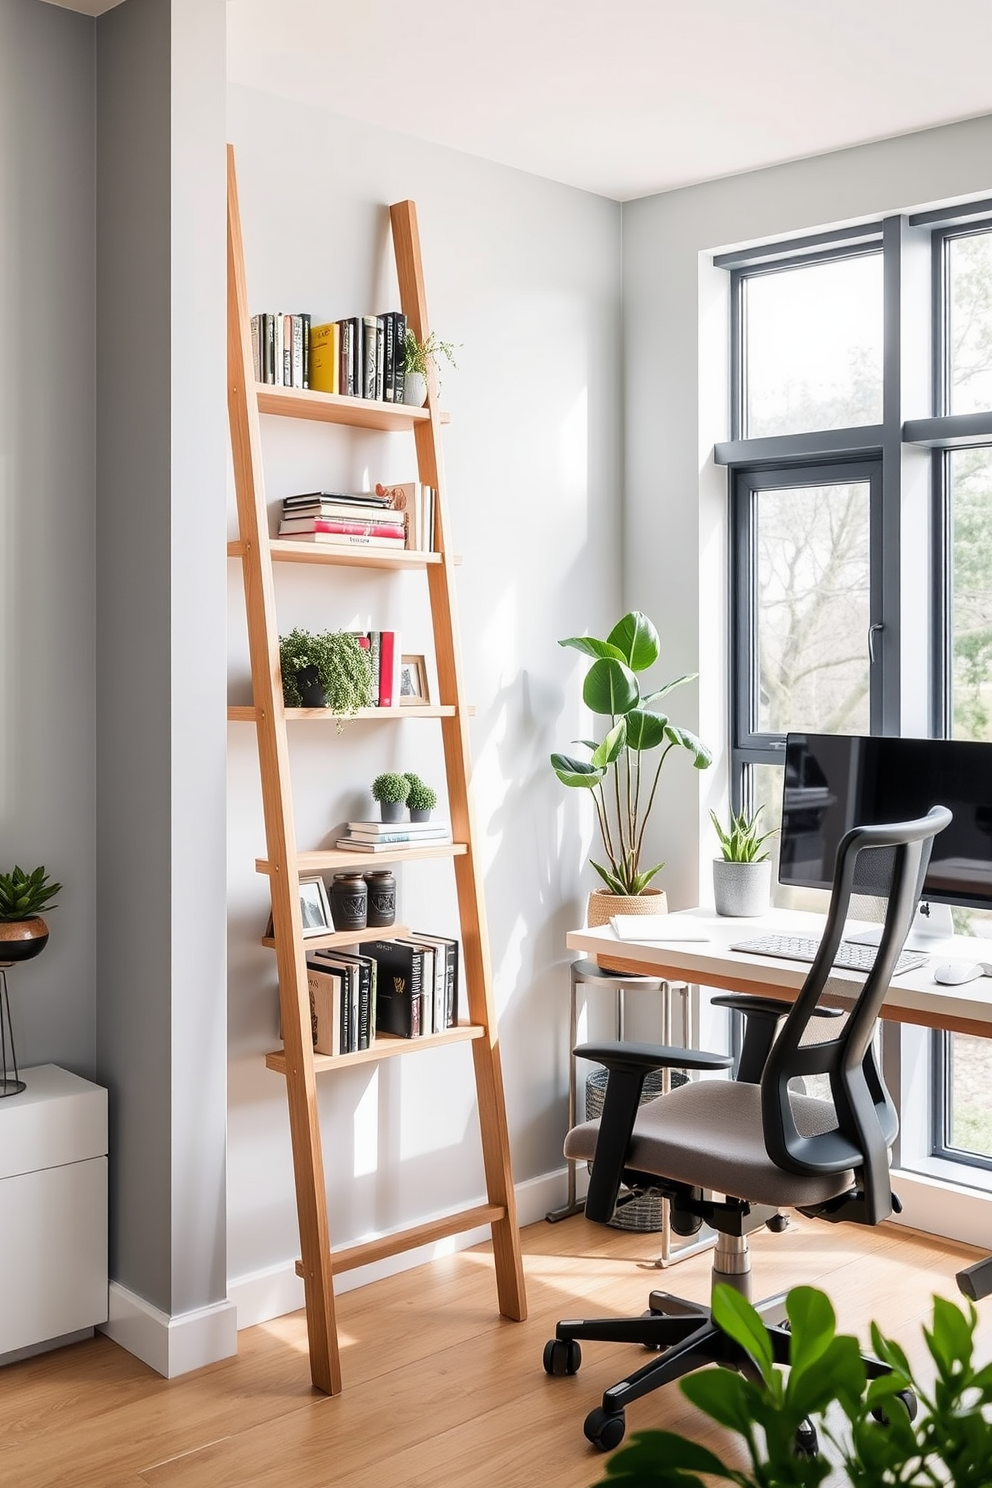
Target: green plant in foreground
x,y
337,663
390,788
419,356
23,896
870,1441
422,797
741,843
611,688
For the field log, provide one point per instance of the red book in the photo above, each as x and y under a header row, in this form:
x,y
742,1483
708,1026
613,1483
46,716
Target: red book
x,y
341,524
389,668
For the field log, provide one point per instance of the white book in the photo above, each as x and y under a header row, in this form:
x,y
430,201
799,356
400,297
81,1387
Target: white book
x,y
667,928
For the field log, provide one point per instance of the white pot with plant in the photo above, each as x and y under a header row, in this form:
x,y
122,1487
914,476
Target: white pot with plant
x,y
620,771
742,877
419,357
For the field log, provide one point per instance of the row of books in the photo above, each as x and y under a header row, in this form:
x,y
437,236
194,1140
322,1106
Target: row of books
x,y
376,836
407,988
390,517
361,356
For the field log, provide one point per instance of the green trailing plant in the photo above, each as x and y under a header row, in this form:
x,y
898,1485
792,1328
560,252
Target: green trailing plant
x,y
619,770
422,797
741,842
390,789
334,661
420,356
864,1430
23,896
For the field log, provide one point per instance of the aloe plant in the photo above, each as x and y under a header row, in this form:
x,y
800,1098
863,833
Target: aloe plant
x,y
23,896
742,843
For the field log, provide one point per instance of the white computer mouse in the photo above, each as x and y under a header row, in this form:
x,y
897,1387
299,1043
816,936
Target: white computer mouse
x,y
953,973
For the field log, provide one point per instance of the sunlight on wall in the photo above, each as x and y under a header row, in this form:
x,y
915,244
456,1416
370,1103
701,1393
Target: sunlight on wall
x,y
574,443
366,1122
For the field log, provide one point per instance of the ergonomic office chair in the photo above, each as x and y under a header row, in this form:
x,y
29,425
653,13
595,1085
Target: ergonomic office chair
x,y
752,1140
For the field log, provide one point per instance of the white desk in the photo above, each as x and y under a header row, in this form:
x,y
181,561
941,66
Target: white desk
x,y
914,996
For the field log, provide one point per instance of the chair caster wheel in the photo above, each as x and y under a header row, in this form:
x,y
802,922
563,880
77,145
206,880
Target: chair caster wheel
x,y
805,1443
777,1223
562,1357
909,1402
605,1429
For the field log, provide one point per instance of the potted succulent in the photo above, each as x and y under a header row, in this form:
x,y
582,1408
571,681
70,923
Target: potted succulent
x,y
823,1420
418,358
23,932
391,791
618,771
742,876
329,669
421,800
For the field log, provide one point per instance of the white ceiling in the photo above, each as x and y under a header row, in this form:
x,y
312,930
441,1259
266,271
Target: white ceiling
x,y
627,97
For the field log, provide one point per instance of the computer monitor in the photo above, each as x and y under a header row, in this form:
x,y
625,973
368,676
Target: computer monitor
x,y
836,781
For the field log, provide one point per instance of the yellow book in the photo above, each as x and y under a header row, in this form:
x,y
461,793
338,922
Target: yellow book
x,y
324,357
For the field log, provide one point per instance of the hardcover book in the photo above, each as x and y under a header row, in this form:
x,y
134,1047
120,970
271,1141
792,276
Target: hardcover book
x,y
448,954
325,1008
399,986
325,357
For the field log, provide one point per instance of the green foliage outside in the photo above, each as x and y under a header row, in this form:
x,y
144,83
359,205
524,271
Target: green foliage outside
x,y
25,895
613,772
950,1442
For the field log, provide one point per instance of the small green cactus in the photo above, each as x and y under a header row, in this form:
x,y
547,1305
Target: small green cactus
x,y
24,895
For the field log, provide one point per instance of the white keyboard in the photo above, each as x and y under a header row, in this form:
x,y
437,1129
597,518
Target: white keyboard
x,y
849,957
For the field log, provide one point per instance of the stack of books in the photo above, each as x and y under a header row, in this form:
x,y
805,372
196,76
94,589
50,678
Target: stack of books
x,y
378,836
416,993
280,348
362,520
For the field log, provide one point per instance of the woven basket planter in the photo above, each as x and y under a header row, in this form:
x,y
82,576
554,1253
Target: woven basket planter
x,y
603,906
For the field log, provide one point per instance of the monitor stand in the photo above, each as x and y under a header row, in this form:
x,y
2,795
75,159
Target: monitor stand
x,y
933,923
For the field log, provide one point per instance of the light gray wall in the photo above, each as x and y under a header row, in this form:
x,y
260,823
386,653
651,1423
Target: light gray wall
x,y
523,275
160,627
675,361
46,511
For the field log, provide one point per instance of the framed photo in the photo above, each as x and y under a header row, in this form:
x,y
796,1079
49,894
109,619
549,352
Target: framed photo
x,y
413,682
315,907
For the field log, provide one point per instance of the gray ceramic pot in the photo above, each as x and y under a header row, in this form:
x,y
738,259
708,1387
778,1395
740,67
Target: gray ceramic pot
x,y
742,889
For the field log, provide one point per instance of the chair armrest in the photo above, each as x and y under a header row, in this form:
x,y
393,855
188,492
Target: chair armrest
x,y
743,1002
762,1015
647,1057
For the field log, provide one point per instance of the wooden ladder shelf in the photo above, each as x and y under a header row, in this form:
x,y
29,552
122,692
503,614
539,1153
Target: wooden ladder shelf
x,y
284,863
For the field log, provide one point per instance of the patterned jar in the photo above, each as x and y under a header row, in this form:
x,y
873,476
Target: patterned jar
x,y
382,897
349,901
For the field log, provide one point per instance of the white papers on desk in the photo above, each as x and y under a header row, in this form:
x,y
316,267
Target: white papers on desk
x,y
663,927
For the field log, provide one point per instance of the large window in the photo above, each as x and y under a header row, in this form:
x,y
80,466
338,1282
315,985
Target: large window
x,y
860,464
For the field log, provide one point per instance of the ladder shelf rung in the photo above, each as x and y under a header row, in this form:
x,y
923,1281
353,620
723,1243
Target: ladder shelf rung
x,y
385,1046
335,408
310,863
368,1251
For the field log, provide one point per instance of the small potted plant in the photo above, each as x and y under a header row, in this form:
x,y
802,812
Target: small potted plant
x,y
418,359
328,669
23,932
421,800
390,790
742,877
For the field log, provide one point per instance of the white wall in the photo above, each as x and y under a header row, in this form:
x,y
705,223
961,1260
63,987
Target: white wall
x,y
675,350
523,275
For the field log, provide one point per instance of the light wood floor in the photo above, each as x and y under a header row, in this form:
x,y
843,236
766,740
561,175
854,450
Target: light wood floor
x,y
438,1389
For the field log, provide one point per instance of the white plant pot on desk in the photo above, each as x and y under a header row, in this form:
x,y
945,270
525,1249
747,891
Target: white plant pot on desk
x,y
742,890
415,389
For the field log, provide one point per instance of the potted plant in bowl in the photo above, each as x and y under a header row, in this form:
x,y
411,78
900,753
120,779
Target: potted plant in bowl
x,y
23,932
742,877
327,669
418,359
823,1419
421,800
620,771
390,790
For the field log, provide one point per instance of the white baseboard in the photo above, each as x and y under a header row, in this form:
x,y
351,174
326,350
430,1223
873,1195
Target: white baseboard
x,y
171,1345
261,1295
941,1208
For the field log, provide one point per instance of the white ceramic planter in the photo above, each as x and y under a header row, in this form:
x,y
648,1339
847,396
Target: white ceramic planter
x,y
415,389
743,890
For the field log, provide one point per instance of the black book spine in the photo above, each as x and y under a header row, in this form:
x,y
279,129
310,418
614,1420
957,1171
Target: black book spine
x,y
399,371
399,984
305,322
388,355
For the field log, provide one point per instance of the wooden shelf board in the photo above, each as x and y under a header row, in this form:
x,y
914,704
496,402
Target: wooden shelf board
x,y
379,1249
242,713
342,858
334,408
386,1046
282,550
345,937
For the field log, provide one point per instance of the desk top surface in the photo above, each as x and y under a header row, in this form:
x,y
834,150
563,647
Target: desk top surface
x,y
914,996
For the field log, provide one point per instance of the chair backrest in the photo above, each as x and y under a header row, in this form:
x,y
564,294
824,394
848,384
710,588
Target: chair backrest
x,y
891,862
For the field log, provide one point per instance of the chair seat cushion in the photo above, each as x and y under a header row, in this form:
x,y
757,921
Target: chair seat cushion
x,y
708,1134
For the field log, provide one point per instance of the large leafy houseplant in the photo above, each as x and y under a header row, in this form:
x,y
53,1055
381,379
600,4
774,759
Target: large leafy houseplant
x,y
869,1439
618,771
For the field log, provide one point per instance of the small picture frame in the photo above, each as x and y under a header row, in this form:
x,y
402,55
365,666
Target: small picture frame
x,y
414,692
315,907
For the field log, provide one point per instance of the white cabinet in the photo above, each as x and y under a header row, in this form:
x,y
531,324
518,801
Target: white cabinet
x,y
53,1208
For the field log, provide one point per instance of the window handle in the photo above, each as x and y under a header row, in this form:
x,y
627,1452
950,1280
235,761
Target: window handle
x,y
875,625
